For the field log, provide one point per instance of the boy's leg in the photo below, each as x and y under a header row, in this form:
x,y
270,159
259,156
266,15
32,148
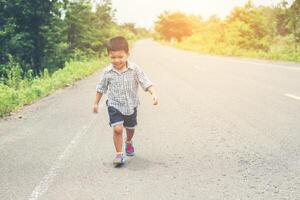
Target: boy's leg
x,y
129,133
128,145
129,123
118,138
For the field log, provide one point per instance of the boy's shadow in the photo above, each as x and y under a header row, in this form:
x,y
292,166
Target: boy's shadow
x,y
136,163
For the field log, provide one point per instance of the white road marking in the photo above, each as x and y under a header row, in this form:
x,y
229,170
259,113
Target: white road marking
x,y
292,96
43,186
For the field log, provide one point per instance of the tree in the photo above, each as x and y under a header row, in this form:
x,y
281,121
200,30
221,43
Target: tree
x,y
173,26
281,16
251,27
294,21
87,30
38,34
25,27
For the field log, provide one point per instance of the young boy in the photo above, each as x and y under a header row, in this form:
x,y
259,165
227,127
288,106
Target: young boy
x,y
120,80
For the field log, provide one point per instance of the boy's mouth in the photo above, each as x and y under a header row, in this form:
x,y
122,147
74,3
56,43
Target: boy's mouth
x,y
119,65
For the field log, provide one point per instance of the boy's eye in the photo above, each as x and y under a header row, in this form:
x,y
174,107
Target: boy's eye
x,y
120,57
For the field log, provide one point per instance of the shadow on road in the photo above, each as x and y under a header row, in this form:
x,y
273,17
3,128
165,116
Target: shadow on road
x,y
135,163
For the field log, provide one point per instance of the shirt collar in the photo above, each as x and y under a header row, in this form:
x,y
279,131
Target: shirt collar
x,y
129,65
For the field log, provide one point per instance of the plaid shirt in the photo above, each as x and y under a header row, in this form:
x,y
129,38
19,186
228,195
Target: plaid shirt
x,y
122,88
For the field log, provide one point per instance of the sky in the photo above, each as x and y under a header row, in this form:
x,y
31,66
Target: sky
x,y
144,12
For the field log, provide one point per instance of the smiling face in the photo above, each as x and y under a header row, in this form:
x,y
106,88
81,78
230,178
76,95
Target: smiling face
x,y
118,59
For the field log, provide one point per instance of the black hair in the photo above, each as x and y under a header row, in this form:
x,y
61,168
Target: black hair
x,y
118,43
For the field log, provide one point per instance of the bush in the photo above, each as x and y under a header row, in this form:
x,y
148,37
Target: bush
x,y
9,99
26,91
281,49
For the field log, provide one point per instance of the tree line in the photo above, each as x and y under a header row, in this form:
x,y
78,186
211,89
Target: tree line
x,y
266,31
37,35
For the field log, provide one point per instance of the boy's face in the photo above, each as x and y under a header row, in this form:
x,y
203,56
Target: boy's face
x,y
118,58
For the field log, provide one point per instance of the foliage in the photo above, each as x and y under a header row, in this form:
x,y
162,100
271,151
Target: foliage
x,y
168,25
261,32
48,44
294,22
29,30
11,98
45,34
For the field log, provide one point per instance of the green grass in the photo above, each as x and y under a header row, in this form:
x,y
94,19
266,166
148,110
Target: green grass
x,y
13,98
279,54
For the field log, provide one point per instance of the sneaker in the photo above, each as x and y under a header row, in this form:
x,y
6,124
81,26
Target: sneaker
x,y
119,159
129,149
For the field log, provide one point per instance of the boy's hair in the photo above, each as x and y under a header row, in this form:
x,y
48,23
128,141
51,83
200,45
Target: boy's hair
x,y
117,44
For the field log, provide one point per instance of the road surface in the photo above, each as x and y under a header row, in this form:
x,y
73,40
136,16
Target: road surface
x,y
226,128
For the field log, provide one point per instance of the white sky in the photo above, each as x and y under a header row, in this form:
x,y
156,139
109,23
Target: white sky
x,y
144,12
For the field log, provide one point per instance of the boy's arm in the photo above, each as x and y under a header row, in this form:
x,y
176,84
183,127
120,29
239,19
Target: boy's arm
x,y
101,88
152,91
96,102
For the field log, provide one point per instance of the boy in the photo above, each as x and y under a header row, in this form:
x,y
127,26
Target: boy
x,y
120,80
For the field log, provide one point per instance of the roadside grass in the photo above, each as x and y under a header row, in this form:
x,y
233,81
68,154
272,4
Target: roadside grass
x,y
235,51
25,91
282,49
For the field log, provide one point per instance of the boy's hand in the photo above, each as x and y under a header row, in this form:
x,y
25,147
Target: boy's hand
x,y
95,108
155,100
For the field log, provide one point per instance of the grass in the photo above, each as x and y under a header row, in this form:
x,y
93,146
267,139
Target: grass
x,y
277,52
27,91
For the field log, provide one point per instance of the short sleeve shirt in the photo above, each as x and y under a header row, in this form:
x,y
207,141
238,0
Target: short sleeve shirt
x,y
122,87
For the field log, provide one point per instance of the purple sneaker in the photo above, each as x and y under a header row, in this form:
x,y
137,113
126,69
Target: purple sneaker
x,y
129,149
119,160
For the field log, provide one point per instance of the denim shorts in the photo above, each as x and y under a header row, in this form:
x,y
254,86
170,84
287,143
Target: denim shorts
x,y
116,118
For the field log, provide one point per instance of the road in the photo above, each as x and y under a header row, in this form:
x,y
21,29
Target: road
x,y
226,128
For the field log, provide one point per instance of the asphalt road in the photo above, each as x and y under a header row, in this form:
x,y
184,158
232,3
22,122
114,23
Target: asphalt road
x,y
226,128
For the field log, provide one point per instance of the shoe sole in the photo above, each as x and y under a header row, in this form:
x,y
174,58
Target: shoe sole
x,y
130,154
117,164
